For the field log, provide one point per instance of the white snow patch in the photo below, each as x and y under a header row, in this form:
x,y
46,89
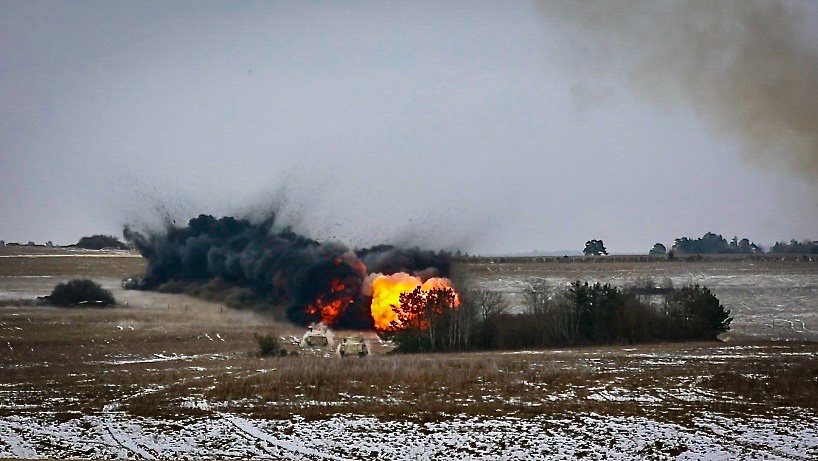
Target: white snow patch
x,y
115,434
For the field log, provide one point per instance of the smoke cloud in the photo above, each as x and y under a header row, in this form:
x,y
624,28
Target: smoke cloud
x,y
266,266
747,67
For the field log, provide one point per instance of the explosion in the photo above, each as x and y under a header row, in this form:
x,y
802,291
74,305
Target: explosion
x,y
386,291
266,266
331,305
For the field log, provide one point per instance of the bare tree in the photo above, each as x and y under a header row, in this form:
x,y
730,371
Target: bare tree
x,y
535,299
553,312
488,304
563,319
460,329
485,307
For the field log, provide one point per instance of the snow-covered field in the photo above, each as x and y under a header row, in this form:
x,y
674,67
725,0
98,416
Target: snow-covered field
x,y
612,403
588,436
772,299
171,377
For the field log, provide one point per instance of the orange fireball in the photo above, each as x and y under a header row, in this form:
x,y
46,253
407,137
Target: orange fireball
x,y
387,289
332,305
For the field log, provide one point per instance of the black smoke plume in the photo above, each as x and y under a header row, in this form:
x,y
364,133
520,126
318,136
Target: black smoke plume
x,y
260,266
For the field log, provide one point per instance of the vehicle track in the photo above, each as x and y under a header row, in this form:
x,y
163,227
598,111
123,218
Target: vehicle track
x,y
122,440
247,430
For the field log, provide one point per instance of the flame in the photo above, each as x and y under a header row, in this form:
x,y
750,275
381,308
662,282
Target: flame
x,y
331,306
386,290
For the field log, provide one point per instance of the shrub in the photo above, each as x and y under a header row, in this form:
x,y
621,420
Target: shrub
x,y
269,345
80,292
98,242
697,312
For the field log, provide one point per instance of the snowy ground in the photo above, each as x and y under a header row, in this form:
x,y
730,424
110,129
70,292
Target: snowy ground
x,y
771,299
600,415
172,377
589,436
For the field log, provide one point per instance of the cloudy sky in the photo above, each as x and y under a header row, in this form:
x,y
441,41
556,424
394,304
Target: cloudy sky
x,y
485,126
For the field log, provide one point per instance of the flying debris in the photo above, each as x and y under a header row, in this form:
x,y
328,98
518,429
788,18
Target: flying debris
x,y
271,268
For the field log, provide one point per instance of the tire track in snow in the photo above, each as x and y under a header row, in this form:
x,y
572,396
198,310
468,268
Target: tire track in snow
x,y
122,440
254,434
18,447
715,429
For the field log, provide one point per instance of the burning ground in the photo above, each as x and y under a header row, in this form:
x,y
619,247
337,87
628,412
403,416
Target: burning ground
x,y
263,266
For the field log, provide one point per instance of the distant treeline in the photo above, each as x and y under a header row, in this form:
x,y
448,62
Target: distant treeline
x,y
711,243
99,242
94,242
580,314
807,246
715,243
29,244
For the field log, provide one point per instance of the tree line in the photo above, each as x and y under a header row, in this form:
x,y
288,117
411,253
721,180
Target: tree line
x,y
711,243
807,246
579,314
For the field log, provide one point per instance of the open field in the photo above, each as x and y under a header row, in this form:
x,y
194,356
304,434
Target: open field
x,y
171,376
770,296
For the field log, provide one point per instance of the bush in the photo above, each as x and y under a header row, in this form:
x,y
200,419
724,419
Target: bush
x,y
269,345
98,242
80,292
696,313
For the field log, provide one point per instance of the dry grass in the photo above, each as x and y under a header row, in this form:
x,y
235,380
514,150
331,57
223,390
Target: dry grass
x,y
591,267
80,362
36,261
161,356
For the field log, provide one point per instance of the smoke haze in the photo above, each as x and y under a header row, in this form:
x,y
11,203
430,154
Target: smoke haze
x,y
266,266
482,126
749,68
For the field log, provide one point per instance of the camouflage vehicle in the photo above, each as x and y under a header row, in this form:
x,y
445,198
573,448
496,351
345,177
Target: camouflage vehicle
x,y
353,345
315,337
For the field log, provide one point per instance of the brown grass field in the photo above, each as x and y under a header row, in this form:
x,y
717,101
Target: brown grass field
x,y
163,350
175,357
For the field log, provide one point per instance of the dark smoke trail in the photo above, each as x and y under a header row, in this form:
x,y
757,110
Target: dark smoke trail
x,y
748,67
257,265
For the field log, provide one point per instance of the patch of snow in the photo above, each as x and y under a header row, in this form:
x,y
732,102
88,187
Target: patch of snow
x,y
115,434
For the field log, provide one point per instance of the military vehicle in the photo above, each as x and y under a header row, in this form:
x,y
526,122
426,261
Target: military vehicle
x,y
353,345
315,337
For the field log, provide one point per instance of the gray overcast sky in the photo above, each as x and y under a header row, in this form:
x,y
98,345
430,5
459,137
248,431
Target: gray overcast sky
x,y
487,126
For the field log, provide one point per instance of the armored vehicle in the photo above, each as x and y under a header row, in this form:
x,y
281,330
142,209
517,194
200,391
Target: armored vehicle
x,y
316,337
353,345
